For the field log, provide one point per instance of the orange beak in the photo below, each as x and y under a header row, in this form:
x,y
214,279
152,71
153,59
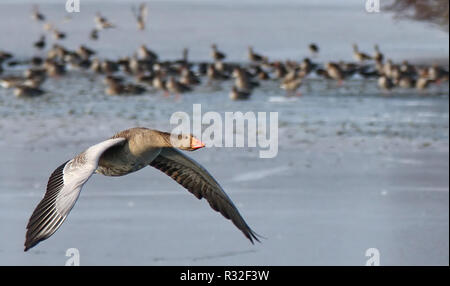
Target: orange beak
x,y
196,144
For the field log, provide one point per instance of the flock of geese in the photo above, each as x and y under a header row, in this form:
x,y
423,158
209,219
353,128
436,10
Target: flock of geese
x,y
145,72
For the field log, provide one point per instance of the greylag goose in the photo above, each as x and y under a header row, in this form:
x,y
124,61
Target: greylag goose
x,y
102,22
216,54
188,77
84,52
385,83
360,56
422,82
36,15
237,94
254,57
126,152
40,44
177,87
58,35
313,48
141,15
147,54
93,35
378,56
291,85
335,72
405,81
27,91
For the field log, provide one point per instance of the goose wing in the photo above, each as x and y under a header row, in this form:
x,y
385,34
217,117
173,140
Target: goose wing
x,y
63,189
197,180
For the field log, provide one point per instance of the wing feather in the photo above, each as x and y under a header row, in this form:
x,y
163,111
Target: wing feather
x,y
201,184
63,189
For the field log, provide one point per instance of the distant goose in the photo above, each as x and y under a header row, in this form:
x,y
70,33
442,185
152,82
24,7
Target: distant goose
x,y
11,81
405,82
378,56
102,22
5,56
126,152
291,85
359,56
335,72
116,87
141,15
279,70
385,83
27,91
54,69
243,79
237,94
93,35
41,43
36,15
147,54
188,77
216,54
254,57
58,35
214,74
437,74
159,81
422,82
177,87
84,52
261,74
314,49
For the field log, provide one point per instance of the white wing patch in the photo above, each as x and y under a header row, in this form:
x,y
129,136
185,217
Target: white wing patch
x,y
63,189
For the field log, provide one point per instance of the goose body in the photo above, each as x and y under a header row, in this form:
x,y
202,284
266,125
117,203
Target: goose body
x,y
126,152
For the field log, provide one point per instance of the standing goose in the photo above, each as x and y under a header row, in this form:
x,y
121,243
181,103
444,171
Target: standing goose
x,y
216,54
254,57
378,56
126,152
360,56
40,44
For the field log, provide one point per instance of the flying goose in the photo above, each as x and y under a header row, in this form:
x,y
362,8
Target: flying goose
x,y
102,23
36,15
126,152
141,15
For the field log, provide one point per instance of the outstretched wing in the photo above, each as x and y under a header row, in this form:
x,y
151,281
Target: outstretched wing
x,y
199,182
63,189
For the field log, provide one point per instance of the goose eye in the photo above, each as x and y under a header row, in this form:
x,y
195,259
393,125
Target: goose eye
x,y
180,137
